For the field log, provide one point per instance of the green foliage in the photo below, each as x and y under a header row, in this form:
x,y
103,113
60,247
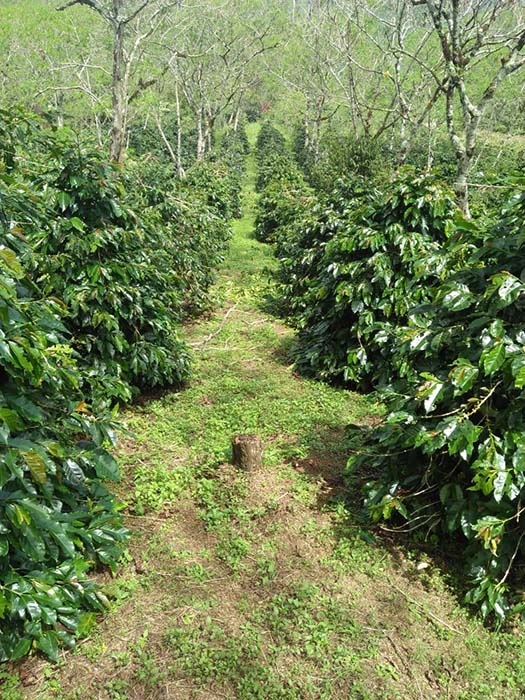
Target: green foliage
x,y
456,419
276,167
112,270
341,155
95,273
57,519
234,146
269,142
196,236
145,141
300,148
497,159
284,198
218,186
281,204
394,290
307,629
129,254
348,272
253,111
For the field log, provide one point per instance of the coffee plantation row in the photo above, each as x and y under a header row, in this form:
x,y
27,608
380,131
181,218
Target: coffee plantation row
x,y
99,266
392,289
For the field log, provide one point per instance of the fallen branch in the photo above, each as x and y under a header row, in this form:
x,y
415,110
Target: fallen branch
x,y
428,613
215,333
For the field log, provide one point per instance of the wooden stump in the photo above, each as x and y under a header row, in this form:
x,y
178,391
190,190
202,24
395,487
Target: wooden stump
x,y
247,452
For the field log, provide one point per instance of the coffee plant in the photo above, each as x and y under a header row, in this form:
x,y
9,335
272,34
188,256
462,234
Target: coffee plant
x,y
111,269
351,269
450,454
270,142
283,199
218,186
395,290
97,268
57,519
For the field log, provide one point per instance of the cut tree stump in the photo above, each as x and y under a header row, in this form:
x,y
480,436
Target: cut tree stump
x,y
247,452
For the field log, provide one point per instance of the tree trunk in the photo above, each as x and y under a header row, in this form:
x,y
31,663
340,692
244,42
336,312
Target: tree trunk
x,y
461,184
119,97
201,143
208,133
236,120
317,128
247,451
180,170
59,102
462,153
165,139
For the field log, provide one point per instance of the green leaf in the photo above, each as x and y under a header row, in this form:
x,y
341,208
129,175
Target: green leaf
x,y
10,259
4,434
518,370
48,643
73,472
64,200
500,483
20,649
77,223
433,396
17,515
464,375
493,358
458,299
11,419
106,466
86,623
510,288
36,465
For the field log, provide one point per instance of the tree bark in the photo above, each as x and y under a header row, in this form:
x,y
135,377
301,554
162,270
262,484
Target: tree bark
x,y
201,143
247,452
119,98
208,132
180,169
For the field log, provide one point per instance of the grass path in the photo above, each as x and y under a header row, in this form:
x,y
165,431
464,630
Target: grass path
x,y
261,586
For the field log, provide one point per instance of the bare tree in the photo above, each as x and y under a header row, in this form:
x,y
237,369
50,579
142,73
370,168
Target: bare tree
x,y
132,22
354,62
379,48
472,34
222,47
401,60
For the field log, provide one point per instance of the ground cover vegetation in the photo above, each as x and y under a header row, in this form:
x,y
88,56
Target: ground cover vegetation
x,y
386,175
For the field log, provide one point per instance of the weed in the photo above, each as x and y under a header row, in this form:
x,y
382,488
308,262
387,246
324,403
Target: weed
x,y
197,572
117,689
10,686
147,670
155,486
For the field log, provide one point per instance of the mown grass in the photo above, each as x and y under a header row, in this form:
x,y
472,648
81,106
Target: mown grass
x,y
265,585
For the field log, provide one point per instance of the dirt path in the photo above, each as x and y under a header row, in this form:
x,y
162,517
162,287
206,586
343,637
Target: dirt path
x,y
262,586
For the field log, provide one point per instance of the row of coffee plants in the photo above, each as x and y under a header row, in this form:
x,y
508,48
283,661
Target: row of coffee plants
x,y
344,154
454,434
98,267
57,519
348,271
283,192
392,289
